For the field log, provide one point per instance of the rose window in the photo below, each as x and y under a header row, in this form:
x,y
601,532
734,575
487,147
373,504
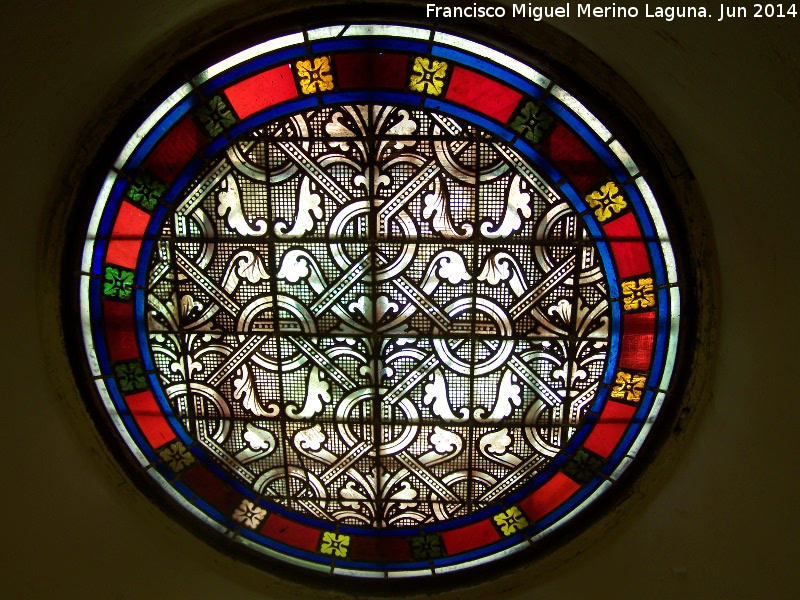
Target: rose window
x,y
376,300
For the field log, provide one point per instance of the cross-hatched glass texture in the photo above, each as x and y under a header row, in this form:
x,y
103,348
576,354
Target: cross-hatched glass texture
x,y
377,315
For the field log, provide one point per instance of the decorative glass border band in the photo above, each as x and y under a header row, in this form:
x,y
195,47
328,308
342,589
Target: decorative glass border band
x,y
412,67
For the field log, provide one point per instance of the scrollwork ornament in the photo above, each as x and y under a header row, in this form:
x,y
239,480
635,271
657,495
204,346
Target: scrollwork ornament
x,y
352,283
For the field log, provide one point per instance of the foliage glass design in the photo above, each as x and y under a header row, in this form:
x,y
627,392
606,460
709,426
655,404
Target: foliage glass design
x,y
360,281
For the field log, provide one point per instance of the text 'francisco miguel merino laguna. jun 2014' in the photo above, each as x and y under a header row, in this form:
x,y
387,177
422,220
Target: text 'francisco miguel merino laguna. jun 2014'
x,y
535,12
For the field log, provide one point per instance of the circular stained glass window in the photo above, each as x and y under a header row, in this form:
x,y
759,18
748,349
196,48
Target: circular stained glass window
x,y
378,300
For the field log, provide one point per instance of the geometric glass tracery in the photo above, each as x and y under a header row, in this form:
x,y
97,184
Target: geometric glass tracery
x,y
377,316
377,301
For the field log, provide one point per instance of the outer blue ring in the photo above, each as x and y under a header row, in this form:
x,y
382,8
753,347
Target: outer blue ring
x,y
576,125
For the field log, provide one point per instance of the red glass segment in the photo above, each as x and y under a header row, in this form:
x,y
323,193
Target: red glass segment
x,y
291,533
380,549
548,497
482,94
573,158
149,418
120,330
262,91
126,237
470,537
638,334
371,71
212,489
630,255
175,151
610,428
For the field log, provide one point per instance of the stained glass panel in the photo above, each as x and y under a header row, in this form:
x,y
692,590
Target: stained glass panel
x,y
363,302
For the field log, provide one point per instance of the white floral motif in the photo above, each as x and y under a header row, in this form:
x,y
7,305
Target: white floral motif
x,y
249,515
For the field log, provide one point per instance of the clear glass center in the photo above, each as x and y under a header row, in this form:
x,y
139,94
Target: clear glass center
x,y
377,315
